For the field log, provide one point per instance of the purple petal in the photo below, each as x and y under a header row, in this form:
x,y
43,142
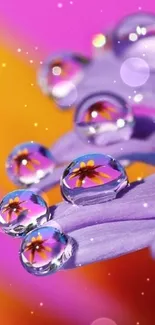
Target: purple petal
x,y
70,147
110,229
105,241
136,203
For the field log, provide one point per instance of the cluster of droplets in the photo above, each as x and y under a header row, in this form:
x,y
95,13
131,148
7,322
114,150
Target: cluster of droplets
x,y
89,179
100,119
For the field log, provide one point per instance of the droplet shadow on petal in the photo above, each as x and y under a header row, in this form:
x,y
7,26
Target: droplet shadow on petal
x,y
129,188
144,127
52,211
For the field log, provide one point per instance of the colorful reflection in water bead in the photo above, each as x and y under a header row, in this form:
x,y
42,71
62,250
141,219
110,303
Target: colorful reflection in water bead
x,y
104,118
28,163
45,250
21,211
59,76
92,179
135,36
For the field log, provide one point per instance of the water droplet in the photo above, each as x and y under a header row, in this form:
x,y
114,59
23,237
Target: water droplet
x,y
103,321
21,211
43,250
92,179
28,163
135,72
102,119
59,76
137,33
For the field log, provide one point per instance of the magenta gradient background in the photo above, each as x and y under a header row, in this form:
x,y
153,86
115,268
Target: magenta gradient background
x,y
71,27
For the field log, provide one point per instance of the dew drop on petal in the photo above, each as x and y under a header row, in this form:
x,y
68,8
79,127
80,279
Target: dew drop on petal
x,y
91,179
102,119
21,211
45,250
59,75
28,163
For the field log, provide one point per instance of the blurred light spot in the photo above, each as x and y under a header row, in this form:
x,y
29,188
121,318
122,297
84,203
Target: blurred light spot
x,y
41,304
36,48
41,62
134,72
138,98
3,65
32,312
56,71
145,205
120,123
31,61
148,279
133,37
99,40
103,321
35,124
142,293
94,114
18,50
60,5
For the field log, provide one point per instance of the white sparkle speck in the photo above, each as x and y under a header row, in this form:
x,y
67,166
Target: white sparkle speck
x,y
60,5
41,62
139,179
31,61
145,205
91,239
18,50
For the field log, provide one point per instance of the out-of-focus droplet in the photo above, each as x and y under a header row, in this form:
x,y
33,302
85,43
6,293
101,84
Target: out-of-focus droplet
x,y
21,211
103,118
136,34
59,76
45,250
134,72
92,179
103,321
28,163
